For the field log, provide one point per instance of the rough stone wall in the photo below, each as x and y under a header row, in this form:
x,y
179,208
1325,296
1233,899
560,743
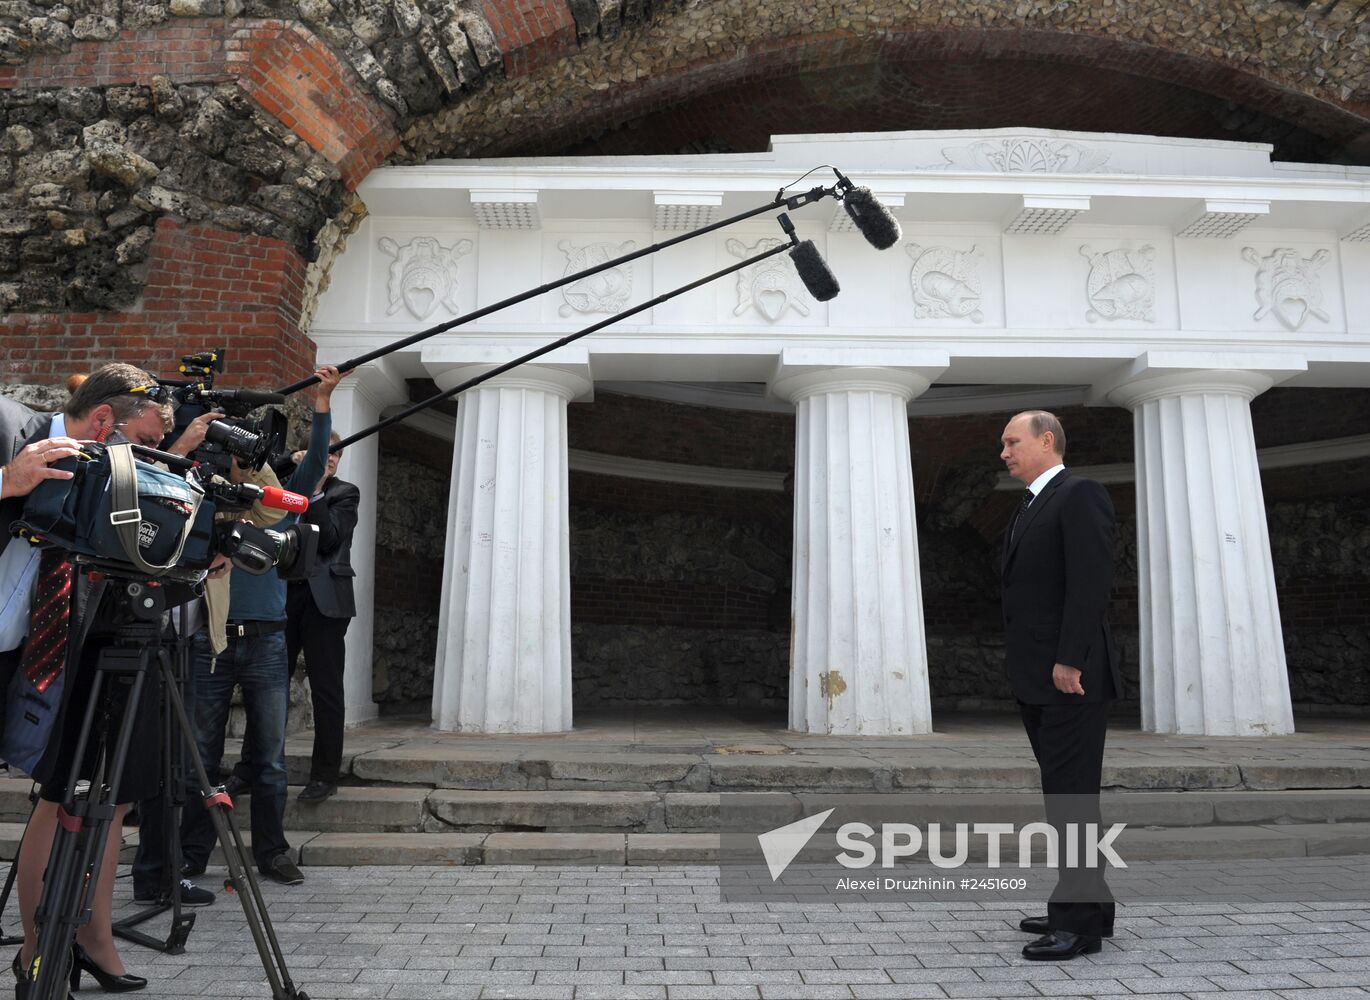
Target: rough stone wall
x,y
127,124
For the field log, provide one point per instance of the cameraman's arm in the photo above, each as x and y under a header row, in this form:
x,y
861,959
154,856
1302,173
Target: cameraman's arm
x,y
194,434
311,468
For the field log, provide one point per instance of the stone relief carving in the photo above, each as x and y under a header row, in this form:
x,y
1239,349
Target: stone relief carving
x,y
946,282
1024,156
770,286
423,275
1288,285
1121,284
605,292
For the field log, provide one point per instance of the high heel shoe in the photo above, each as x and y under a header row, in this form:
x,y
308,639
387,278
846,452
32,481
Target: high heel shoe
x,y
21,982
110,983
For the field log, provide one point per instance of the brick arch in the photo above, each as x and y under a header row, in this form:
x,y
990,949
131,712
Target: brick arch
x,y
171,181
547,106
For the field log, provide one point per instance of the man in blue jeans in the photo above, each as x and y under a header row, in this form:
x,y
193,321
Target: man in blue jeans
x,y
255,659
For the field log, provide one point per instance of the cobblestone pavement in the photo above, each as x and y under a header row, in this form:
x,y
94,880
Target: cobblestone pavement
x,y
575,933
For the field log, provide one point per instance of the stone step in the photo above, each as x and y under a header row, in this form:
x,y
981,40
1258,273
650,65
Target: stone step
x,y
441,765
1211,843
418,810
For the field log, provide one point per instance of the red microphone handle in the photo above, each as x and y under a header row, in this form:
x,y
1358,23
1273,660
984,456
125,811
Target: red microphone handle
x,y
279,499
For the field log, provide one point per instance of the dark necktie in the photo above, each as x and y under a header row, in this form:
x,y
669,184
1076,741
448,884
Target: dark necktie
x,y
45,649
1023,505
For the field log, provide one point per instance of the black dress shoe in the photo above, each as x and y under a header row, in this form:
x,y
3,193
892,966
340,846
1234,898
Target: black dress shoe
x,y
1061,946
1038,925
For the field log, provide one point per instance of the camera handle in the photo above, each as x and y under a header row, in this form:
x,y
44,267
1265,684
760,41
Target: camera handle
x,y
548,348
779,201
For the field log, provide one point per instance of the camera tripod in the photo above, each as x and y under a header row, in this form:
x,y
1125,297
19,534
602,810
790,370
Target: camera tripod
x,y
134,606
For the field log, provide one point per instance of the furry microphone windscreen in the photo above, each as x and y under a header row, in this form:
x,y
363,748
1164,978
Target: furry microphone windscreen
x,y
814,271
877,225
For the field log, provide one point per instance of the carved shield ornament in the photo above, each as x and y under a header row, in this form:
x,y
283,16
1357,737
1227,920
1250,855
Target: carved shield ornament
x,y
771,286
605,292
423,274
1121,284
946,282
1287,285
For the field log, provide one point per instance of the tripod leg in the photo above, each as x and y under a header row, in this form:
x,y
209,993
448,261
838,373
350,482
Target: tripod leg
x,y
241,876
73,869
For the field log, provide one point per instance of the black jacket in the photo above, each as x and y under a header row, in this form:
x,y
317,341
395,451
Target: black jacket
x,y
330,581
1057,575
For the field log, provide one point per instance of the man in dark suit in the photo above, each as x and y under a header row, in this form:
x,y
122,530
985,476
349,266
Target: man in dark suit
x,y
318,611
1062,663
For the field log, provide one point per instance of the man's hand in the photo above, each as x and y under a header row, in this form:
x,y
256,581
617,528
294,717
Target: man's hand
x,y
328,377
1066,679
194,434
219,567
33,465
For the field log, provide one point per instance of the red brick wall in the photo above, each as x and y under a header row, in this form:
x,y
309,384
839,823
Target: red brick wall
x,y
289,72
205,288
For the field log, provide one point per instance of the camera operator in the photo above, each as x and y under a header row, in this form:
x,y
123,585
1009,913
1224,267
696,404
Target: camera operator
x,y
255,659
151,872
121,398
318,612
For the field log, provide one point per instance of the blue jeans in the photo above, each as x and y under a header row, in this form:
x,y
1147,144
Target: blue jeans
x,y
257,663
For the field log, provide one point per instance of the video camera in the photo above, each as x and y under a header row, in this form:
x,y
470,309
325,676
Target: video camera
x,y
144,513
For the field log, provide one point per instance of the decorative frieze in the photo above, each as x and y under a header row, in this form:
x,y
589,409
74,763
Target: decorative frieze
x,y
945,282
1288,285
423,275
605,292
1121,284
771,286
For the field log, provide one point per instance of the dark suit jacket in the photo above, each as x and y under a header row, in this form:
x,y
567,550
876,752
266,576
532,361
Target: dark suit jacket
x,y
1057,574
19,426
330,581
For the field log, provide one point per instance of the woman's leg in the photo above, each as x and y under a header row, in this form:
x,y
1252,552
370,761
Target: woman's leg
x,y
33,861
97,937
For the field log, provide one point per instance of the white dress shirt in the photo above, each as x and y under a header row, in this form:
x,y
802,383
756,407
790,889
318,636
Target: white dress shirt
x,y
19,575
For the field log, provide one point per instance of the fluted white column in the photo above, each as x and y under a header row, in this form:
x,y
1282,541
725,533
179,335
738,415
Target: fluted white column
x,y
1212,652
504,635
356,405
858,662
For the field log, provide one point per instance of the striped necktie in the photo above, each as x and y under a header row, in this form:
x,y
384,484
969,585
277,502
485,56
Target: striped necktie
x,y
45,649
1023,505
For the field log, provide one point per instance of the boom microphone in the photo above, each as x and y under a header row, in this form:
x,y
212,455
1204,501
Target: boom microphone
x,y
814,271
877,225
252,397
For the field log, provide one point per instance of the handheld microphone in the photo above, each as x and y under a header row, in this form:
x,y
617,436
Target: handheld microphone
x,y
281,499
813,269
268,496
877,225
